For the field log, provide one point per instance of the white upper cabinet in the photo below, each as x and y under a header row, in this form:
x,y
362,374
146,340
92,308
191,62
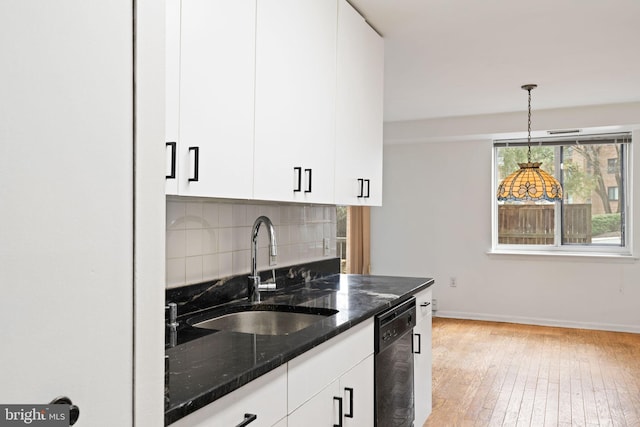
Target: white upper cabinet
x,y
359,110
216,113
273,100
295,100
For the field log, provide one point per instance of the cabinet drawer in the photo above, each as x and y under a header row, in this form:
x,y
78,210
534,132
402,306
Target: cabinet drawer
x,y
265,397
423,304
314,370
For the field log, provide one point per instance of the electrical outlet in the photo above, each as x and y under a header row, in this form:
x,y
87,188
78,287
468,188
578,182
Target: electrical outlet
x,y
325,246
453,282
434,304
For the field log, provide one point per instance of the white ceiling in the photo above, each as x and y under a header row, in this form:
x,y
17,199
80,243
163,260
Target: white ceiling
x,y
448,58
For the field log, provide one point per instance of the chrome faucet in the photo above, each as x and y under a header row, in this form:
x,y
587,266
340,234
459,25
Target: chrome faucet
x,y
255,286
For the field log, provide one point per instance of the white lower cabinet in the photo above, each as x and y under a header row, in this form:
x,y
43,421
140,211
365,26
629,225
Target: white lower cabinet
x,y
332,375
347,401
422,358
320,410
264,397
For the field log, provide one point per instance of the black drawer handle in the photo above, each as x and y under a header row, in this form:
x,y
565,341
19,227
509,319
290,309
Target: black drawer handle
x,y
297,177
368,188
350,391
74,411
361,186
172,174
308,173
196,163
339,399
425,304
248,419
419,351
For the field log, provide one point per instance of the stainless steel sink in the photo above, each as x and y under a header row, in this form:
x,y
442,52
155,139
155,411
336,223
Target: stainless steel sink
x,y
268,320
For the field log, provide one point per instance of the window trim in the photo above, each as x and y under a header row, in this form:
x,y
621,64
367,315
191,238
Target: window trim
x,y
559,249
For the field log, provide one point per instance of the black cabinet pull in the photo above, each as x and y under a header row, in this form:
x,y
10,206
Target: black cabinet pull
x,y
425,304
350,391
196,162
308,173
297,176
339,399
361,185
368,188
419,351
173,147
74,411
248,419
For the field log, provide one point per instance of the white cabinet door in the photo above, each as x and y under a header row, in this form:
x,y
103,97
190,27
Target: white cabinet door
x,y
321,410
359,110
66,206
295,100
422,358
349,397
265,397
315,369
217,76
356,389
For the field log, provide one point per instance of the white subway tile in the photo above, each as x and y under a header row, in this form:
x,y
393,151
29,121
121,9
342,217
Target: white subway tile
x,y
242,238
176,243
175,215
210,268
241,260
193,217
194,242
239,212
209,241
175,272
210,214
225,239
193,267
225,218
225,264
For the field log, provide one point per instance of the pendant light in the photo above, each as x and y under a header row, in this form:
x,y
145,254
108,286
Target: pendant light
x,y
529,183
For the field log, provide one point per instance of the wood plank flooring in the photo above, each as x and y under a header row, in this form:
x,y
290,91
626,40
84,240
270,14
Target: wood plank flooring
x,y
504,374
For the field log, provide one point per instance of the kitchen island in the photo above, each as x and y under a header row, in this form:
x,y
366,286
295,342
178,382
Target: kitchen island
x,y
206,365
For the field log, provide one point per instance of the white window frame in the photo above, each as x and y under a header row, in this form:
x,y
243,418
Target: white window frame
x,y
568,249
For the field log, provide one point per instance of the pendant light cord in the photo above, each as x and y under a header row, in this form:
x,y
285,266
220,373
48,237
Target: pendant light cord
x,y
529,128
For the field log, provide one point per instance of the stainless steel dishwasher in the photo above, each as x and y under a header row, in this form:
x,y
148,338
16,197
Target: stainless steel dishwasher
x,y
393,365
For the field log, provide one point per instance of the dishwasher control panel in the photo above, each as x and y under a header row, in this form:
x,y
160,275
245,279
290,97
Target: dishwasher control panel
x,y
394,323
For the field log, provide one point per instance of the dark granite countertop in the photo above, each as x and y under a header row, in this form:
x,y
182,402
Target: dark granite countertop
x,y
206,365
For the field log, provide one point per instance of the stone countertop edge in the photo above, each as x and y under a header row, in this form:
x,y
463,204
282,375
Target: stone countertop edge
x,y
176,411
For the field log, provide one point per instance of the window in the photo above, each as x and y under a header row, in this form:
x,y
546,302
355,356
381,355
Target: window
x,y
592,216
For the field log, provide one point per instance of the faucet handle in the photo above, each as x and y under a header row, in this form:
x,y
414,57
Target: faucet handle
x,y
173,314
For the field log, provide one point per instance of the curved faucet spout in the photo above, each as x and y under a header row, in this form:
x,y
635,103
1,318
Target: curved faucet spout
x,y
254,279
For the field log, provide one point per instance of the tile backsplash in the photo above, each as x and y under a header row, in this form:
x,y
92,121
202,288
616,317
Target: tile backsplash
x,y
207,239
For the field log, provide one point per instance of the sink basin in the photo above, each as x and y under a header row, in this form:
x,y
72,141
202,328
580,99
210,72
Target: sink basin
x,y
266,320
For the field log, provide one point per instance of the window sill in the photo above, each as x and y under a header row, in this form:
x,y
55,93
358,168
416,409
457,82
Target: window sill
x,y
566,254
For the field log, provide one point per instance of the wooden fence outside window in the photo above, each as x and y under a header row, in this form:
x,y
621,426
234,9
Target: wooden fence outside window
x,y
535,224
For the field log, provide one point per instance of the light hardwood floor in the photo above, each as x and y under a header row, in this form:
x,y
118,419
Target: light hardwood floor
x,y
503,374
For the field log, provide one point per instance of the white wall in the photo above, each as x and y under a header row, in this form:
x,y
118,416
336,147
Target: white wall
x,y
436,222
211,238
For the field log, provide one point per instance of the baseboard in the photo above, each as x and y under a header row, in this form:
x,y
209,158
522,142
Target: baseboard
x,y
539,321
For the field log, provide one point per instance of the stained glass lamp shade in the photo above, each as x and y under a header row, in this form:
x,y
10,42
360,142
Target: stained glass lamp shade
x,y
529,183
